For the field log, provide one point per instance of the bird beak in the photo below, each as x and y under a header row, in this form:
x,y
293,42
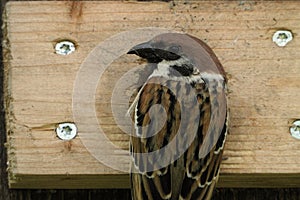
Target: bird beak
x,y
151,53
145,50
138,49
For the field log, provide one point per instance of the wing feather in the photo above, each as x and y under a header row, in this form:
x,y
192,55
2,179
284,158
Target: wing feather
x,y
202,172
190,177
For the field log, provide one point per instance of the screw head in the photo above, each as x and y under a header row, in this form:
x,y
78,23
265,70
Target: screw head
x,y
66,131
64,47
295,129
282,37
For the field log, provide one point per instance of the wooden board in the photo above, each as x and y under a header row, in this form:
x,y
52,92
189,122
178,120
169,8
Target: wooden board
x,y
39,86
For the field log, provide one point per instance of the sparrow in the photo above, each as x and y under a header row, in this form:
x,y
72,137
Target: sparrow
x,y
180,120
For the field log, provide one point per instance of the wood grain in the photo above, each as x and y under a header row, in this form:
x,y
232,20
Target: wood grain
x,y
263,87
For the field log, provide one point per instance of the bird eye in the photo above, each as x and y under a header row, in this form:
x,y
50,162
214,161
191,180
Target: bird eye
x,y
174,49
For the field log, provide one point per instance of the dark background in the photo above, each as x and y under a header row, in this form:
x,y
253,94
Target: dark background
x,y
113,194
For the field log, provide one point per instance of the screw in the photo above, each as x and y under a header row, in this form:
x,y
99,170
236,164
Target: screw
x,y
66,131
295,129
64,47
282,37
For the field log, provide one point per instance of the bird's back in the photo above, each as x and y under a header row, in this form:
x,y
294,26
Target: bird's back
x,y
176,130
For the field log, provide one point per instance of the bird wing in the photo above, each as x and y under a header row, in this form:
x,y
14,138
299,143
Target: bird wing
x,y
181,123
202,159
154,127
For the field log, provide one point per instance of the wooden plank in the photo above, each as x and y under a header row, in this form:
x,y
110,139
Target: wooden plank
x,y
39,84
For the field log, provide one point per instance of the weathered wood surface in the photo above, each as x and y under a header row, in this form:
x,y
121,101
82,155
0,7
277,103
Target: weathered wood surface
x,y
263,86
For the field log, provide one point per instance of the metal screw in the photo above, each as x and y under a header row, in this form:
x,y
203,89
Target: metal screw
x,y
282,37
295,129
64,47
66,131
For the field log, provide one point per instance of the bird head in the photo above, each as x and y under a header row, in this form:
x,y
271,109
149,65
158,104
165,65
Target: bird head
x,y
162,49
181,52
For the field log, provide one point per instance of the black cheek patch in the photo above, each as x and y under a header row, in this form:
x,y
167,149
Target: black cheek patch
x,y
184,70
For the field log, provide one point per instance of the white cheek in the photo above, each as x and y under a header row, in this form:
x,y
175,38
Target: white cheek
x,y
163,67
163,70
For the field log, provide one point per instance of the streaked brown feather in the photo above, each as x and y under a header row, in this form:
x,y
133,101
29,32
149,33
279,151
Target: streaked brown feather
x,y
192,176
